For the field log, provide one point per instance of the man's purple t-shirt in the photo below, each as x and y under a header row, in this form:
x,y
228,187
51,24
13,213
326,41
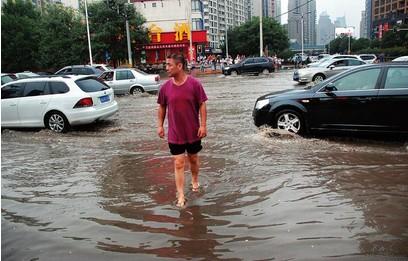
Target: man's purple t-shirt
x,y
183,104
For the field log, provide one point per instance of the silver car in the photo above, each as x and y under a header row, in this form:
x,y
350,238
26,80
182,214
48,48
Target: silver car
x,y
133,81
325,70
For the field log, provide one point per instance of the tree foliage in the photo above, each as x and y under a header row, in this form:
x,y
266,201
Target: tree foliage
x,y
107,25
244,39
19,36
63,40
393,44
55,36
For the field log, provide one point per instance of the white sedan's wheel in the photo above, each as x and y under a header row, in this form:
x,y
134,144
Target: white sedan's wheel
x,y
57,122
290,121
318,78
136,91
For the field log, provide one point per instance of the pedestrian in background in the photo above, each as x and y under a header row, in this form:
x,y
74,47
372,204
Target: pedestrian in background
x,y
184,99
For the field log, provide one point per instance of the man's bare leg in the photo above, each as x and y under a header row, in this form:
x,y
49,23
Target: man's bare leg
x,y
195,167
179,161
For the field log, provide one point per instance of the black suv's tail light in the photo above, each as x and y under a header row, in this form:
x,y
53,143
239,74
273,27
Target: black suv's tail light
x,y
85,102
157,78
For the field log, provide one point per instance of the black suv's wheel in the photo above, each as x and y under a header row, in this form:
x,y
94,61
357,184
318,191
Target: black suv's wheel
x,y
290,120
57,122
136,90
234,73
265,71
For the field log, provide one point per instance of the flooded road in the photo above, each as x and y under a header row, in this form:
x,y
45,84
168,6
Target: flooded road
x,y
107,192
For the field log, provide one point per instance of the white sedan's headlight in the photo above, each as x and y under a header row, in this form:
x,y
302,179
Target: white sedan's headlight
x,y
262,103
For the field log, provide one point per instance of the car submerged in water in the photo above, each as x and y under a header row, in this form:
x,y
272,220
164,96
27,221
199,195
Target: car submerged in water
x,y
372,98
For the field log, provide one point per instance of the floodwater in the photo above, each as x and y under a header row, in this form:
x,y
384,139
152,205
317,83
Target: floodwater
x,y
106,192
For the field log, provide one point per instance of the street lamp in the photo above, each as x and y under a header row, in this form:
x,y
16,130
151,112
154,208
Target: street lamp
x,y
87,31
302,21
260,30
349,40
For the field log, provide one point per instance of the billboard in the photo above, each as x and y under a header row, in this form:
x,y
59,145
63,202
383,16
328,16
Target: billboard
x,y
347,31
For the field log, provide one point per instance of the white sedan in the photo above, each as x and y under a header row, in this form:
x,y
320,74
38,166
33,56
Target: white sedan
x,y
56,102
133,81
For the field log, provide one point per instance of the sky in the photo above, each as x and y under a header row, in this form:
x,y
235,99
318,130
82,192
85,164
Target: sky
x,y
336,8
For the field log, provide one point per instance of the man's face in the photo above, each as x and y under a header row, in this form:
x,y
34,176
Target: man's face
x,y
172,67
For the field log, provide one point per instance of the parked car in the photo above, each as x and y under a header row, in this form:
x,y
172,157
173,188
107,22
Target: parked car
x,y
401,59
325,70
366,98
368,58
79,70
333,57
56,102
253,65
26,74
7,77
102,67
133,81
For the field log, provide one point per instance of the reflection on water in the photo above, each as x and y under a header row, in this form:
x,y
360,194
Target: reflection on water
x,y
107,191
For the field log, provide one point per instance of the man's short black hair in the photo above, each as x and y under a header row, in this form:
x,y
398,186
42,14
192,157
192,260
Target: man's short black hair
x,y
178,58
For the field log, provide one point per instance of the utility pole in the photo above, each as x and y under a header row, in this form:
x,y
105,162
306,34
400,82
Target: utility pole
x,y
87,31
260,31
128,38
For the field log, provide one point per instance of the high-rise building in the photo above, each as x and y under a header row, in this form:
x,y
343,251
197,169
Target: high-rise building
x,y
368,11
325,29
386,14
270,8
363,25
214,16
220,15
297,10
340,22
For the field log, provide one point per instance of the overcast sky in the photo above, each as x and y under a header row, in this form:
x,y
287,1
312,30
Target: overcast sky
x,y
336,8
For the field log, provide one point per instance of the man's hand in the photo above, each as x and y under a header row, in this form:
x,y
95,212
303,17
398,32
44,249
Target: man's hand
x,y
160,132
202,132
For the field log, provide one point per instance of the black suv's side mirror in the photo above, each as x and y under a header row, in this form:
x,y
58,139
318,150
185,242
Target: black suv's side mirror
x,y
330,87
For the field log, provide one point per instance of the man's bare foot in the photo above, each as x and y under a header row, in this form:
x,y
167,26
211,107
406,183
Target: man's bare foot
x,y
181,202
195,187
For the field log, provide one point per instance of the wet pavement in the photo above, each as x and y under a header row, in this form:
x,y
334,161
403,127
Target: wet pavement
x,y
106,191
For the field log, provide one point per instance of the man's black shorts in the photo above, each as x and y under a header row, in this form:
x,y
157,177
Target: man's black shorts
x,y
192,148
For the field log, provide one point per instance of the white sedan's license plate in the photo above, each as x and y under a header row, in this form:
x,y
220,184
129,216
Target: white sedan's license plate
x,y
104,98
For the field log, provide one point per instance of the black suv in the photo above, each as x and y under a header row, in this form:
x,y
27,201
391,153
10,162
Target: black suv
x,y
254,65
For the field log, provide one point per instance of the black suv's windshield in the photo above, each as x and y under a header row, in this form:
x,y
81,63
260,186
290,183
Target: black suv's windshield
x,y
91,85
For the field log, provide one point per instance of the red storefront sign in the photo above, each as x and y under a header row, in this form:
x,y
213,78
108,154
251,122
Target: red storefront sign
x,y
164,43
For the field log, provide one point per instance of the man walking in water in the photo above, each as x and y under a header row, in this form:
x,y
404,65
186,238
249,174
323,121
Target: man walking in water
x,y
183,98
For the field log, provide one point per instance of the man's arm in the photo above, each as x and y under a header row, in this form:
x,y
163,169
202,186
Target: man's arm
x,y
202,131
161,114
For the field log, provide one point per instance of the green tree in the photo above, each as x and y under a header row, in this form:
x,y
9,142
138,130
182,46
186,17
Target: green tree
x,y
19,35
63,38
244,39
360,44
107,21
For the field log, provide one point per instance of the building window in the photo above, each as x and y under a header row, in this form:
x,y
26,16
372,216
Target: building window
x,y
196,6
197,24
153,4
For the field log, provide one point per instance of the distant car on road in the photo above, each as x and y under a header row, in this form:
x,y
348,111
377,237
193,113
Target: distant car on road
x,y
370,98
26,74
79,70
368,58
325,70
401,59
132,81
56,102
252,65
7,77
333,57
